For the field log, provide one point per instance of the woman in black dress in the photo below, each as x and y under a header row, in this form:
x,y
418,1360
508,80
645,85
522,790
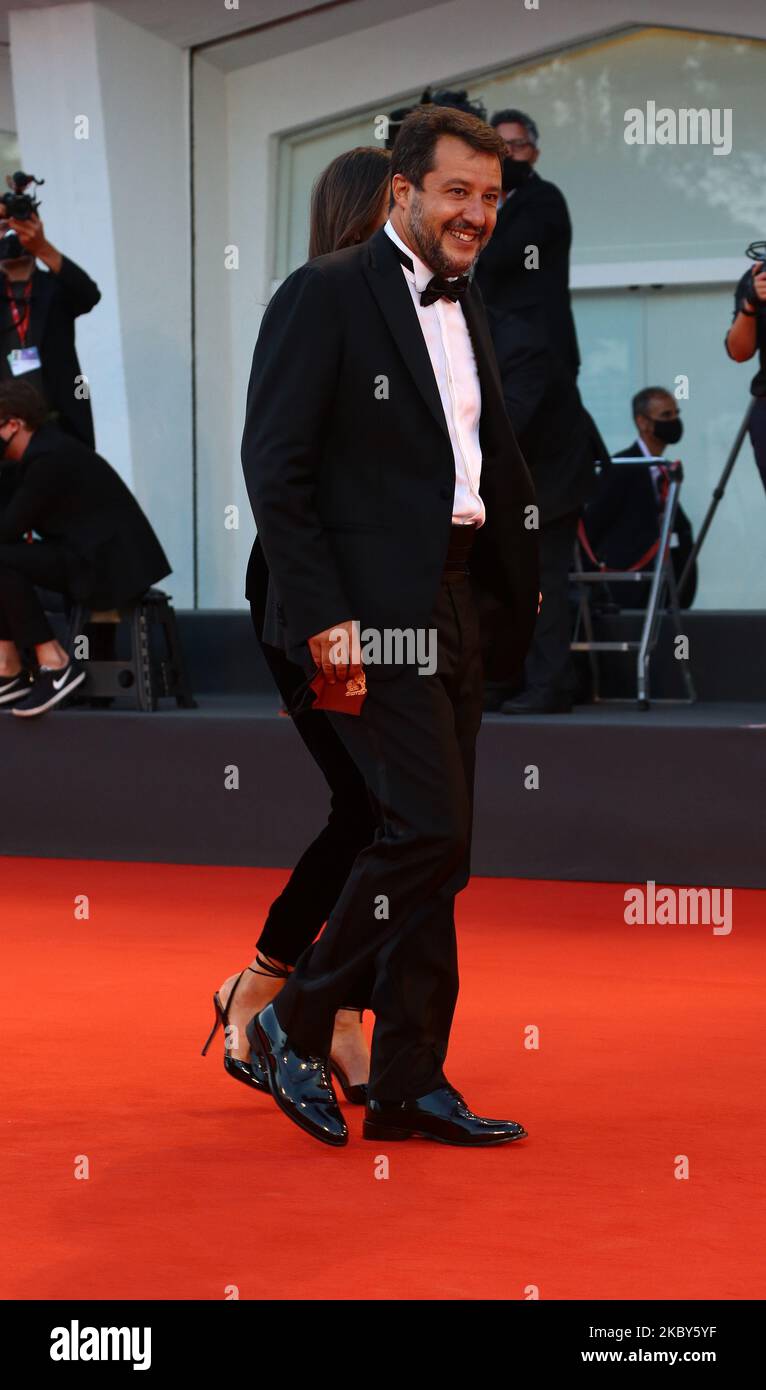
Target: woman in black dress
x,y
349,201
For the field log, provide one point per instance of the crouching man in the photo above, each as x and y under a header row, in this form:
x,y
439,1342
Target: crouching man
x,y
93,544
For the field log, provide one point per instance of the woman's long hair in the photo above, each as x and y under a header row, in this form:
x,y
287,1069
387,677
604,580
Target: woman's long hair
x,y
347,197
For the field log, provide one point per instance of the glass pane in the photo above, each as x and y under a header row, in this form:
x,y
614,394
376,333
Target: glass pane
x,y
685,331
648,202
648,338
628,202
302,160
610,330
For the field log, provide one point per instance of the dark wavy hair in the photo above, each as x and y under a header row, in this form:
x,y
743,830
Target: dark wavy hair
x,y
512,116
346,199
642,400
414,147
20,400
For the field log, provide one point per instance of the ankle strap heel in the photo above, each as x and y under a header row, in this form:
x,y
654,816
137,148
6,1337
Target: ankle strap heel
x,y
270,968
249,1073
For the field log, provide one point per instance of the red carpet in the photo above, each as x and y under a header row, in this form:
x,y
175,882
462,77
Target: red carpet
x,y
651,1046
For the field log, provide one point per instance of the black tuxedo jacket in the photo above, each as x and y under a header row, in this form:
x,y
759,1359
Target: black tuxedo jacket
x,y
622,521
348,462
556,435
57,300
69,494
535,215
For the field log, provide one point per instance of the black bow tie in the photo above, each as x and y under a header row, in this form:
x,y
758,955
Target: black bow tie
x,y
438,287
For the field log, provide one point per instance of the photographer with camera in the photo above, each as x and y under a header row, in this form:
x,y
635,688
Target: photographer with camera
x,y
38,309
746,335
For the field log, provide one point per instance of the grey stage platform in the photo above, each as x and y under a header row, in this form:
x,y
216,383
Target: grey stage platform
x,y
674,795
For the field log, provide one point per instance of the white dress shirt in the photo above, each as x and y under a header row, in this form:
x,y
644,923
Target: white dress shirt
x,y
452,358
656,472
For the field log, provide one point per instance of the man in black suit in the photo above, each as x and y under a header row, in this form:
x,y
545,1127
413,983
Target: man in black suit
x,y
527,260
623,519
379,459
560,443
96,546
38,309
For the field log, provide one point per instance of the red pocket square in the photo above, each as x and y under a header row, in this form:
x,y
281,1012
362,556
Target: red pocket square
x,y
345,697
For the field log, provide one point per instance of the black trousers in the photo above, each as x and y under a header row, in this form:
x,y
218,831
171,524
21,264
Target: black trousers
x,y
297,916
549,665
23,567
757,432
414,745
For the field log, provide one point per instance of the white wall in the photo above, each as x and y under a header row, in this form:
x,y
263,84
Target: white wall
x,y
328,80
9,152
218,548
7,110
118,204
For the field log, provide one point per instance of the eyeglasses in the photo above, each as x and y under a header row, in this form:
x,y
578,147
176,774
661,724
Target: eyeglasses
x,y
519,144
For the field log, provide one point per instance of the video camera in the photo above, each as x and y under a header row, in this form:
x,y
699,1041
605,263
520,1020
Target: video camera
x,y
756,251
20,205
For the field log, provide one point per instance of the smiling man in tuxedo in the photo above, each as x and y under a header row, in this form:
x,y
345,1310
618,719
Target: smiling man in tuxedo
x,y
389,491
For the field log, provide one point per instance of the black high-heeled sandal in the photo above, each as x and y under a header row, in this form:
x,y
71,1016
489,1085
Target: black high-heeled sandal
x,y
356,1094
252,1073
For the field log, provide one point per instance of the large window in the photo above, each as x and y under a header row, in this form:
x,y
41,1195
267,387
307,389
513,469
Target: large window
x,y
630,204
659,236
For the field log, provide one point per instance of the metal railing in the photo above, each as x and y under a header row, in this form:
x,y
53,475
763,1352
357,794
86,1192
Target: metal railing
x,y
663,581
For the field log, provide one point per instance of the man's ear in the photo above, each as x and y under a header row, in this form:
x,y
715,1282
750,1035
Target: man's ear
x,y
399,186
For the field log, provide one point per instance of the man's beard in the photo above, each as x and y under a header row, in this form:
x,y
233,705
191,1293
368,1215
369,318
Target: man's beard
x,y
429,245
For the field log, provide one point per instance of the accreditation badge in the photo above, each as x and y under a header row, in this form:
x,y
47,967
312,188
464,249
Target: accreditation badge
x,y
22,360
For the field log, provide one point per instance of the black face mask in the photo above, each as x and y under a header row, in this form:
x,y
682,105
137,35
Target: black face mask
x,y
669,431
515,173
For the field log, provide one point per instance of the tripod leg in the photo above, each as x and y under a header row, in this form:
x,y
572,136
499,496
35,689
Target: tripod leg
x,y
718,493
656,595
674,608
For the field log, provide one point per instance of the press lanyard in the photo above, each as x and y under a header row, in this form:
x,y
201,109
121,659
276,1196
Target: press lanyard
x,y
20,320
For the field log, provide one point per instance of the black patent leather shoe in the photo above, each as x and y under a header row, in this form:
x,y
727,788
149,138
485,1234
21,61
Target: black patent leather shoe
x,y
442,1115
355,1092
301,1086
538,702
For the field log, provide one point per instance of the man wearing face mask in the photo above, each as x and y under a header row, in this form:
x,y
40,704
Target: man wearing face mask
x,y
622,521
534,214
